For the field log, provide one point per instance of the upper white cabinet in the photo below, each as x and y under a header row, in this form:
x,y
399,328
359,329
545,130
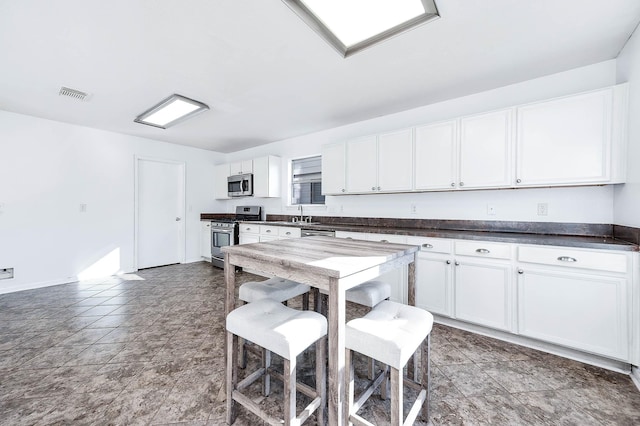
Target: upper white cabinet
x,y
361,165
435,158
569,140
395,154
220,186
266,176
574,140
333,169
486,150
241,167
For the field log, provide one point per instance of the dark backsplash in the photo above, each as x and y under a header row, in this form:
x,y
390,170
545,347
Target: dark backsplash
x,y
626,233
548,228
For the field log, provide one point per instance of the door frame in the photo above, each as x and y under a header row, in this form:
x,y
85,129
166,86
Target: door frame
x,y
136,206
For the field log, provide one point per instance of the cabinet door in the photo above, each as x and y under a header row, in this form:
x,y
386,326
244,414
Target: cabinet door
x,y
333,168
395,161
581,311
266,176
486,150
249,238
397,278
241,167
434,281
435,156
205,239
361,170
483,293
565,141
220,187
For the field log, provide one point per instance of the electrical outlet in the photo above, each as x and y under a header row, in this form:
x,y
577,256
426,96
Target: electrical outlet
x,y
491,209
543,209
414,209
6,273
83,208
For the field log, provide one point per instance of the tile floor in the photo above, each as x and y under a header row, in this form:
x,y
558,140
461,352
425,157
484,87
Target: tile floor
x,y
148,349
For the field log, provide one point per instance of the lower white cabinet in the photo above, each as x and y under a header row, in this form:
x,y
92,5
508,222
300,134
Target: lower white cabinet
x,y
582,311
434,283
484,292
250,233
205,239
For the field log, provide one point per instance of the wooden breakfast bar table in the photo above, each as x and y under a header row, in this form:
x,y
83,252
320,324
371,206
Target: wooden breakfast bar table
x,y
330,264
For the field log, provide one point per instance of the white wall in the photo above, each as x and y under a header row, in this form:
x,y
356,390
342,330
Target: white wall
x,y
627,196
578,204
48,169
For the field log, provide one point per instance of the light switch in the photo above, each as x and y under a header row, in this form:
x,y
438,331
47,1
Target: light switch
x,y
83,208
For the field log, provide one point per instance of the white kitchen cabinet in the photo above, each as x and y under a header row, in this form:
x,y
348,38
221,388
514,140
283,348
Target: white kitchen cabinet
x,y
220,186
484,292
436,161
361,165
395,161
266,176
248,233
205,239
486,154
241,167
251,233
569,140
333,169
434,275
581,311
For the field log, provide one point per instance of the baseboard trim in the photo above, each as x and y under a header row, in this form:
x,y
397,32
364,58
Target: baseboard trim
x,y
576,355
635,376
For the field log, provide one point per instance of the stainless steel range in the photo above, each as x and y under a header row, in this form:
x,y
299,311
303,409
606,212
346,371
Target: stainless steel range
x,y
224,232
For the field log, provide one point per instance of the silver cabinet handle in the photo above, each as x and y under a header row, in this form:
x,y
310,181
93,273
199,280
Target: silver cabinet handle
x,y
378,188
453,184
178,219
349,238
373,188
518,180
567,259
427,245
448,262
343,190
247,229
461,183
483,251
457,263
384,241
268,231
520,271
288,233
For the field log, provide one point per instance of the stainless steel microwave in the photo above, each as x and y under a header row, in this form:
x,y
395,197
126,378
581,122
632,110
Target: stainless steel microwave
x,y
240,185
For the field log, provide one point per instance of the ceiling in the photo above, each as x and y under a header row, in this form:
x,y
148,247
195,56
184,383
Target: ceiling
x,y
267,76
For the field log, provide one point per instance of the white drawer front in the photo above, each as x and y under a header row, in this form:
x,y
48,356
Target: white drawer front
x,y
572,258
351,235
388,238
431,245
249,229
483,249
289,232
269,230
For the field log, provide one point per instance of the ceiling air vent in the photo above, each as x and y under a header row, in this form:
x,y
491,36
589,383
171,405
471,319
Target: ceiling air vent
x,y
72,93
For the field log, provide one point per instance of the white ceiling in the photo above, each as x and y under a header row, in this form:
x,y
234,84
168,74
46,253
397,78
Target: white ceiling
x,y
265,74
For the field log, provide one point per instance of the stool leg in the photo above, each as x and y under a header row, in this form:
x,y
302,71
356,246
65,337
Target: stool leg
x,y
316,299
266,379
232,375
321,379
289,392
243,350
426,376
397,414
384,386
305,301
348,365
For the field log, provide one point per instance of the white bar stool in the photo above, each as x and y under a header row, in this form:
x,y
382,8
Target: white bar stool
x,y
368,294
286,332
390,333
276,288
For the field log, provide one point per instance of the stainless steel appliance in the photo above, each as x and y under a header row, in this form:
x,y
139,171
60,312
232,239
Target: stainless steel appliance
x,y
240,185
316,233
224,232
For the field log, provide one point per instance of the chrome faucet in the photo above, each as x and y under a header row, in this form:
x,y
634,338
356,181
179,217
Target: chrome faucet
x,y
301,218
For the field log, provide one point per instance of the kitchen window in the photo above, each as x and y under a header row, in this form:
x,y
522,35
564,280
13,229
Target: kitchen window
x,y
306,181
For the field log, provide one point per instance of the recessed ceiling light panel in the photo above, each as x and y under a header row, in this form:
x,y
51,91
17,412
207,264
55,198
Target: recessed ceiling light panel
x,y
171,111
352,25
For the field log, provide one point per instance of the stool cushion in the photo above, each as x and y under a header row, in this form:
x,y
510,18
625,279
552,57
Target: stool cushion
x,y
390,333
275,288
277,328
370,293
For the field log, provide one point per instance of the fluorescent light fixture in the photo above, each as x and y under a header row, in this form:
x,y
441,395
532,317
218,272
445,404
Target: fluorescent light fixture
x,y
170,111
352,25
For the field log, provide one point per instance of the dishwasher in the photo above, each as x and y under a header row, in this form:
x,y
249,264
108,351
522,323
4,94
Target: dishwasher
x,y
316,233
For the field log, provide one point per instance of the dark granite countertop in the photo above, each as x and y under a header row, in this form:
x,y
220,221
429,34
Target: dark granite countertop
x,y
580,241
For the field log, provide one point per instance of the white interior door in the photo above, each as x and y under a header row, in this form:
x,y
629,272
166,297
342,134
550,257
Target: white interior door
x,y
160,225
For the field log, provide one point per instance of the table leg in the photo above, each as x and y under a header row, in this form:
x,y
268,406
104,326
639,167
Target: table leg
x,y
411,283
337,396
230,283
